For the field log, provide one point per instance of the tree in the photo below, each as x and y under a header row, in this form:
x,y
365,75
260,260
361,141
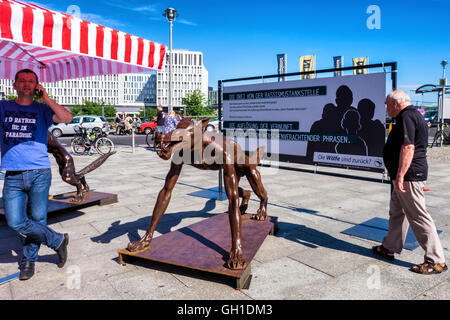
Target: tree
x,y
94,108
150,113
13,96
197,104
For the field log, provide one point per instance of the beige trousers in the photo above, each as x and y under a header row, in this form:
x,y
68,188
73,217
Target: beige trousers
x,y
409,209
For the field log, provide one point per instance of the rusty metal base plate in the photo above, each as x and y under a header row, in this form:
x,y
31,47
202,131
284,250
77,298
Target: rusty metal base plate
x,y
63,202
205,246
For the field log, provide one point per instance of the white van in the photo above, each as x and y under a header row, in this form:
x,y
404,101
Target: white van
x,y
88,122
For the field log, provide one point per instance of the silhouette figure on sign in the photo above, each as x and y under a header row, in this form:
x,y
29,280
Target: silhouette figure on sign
x,y
322,126
366,136
331,122
344,100
351,123
372,131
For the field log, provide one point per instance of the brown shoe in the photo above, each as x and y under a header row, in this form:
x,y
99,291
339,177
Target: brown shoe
x,y
383,252
429,268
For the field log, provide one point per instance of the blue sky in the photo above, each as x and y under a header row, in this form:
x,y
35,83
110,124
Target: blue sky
x,y
242,38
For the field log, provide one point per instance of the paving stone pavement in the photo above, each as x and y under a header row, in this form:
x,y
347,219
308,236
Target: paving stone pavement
x,y
309,258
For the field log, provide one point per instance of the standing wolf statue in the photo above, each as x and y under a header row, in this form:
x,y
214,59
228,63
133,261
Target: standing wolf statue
x,y
191,144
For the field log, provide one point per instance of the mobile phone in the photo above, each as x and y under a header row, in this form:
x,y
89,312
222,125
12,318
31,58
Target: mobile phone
x,y
38,93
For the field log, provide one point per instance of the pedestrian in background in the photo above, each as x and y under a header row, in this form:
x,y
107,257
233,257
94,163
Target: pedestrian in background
x,y
119,121
170,122
159,130
128,121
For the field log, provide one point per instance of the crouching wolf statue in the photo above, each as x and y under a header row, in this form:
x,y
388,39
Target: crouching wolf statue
x,y
191,144
67,167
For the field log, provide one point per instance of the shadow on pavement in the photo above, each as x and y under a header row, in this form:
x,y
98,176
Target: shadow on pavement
x,y
165,225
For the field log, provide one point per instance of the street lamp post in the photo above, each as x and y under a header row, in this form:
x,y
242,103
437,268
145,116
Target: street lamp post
x,y
444,79
170,14
441,111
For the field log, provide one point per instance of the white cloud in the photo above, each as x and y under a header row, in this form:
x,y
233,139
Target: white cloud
x,y
144,9
148,8
157,18
90,17
153,12
95,18
186,22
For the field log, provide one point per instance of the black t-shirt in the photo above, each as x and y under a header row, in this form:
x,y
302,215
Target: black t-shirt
x,y
410,126
159,118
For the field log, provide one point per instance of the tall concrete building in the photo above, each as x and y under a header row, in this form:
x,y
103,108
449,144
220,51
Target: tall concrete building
x,y
131,92
213,97
188,74
128,92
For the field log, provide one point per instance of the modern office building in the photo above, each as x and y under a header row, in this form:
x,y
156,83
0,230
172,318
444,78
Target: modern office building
x,y
213,97
188,74
128,92
74,91
137,90
131,92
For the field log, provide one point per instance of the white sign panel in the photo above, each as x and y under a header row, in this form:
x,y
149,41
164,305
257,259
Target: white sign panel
x,y
312,120
446,109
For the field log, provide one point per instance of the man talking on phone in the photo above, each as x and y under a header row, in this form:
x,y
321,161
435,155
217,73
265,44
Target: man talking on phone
x,y
23,131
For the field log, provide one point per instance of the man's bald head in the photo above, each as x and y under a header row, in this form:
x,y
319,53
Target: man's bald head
x,y
396,101
399,96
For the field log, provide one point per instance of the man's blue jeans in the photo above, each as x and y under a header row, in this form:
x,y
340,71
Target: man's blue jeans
x,y
28,191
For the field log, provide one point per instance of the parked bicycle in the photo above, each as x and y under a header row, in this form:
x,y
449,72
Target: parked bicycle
x,y
442,134
150,138
85,141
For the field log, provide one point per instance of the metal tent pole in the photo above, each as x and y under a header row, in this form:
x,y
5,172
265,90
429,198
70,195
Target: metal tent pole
x,y
219,87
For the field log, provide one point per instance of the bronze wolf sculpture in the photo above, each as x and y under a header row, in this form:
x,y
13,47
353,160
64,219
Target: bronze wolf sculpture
x,y
203,154
67,167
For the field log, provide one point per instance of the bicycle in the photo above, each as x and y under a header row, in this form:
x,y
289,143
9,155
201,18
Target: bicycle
x,y
84,141
150,138
442,134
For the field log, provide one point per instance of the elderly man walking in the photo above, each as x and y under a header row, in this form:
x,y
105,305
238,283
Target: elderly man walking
x,y
405,158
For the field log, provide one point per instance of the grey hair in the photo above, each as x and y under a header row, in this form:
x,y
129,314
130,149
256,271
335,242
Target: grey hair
x,y
399,96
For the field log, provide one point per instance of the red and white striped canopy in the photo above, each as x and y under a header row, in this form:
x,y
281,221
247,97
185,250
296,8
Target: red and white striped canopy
x,y
58,46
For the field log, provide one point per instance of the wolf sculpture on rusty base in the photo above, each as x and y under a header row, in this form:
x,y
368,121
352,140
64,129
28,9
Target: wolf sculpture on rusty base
x,y
67,167
202,149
